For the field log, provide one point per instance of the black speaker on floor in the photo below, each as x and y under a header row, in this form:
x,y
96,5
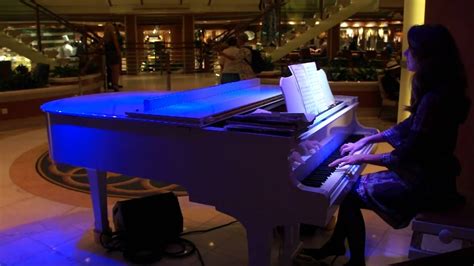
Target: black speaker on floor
x,y
145,225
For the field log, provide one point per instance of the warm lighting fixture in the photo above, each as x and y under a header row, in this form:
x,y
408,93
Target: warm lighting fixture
x,y
361,31
350,32
370,24
380,32
250,34
316,23
344,25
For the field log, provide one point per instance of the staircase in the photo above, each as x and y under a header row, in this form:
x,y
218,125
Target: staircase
x,y
24,50
315,27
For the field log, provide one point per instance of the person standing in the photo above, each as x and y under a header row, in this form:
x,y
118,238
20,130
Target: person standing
x,y
391,80
245,57
230,66
422,168
112,54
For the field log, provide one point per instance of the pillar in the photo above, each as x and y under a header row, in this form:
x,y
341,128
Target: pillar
x,y
413,14
131,40
188,40
333,41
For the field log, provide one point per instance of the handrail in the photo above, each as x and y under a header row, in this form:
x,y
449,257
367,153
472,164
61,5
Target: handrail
x,y
239,27
61,20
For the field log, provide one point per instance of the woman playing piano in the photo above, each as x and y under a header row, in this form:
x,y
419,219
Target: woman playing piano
x,y
422,167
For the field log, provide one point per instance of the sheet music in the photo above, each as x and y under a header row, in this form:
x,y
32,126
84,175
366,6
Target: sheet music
x,y
291,92
313,87
327,98
304,79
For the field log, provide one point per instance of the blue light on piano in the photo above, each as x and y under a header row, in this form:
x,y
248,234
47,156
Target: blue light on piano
x,y
113,105
205,103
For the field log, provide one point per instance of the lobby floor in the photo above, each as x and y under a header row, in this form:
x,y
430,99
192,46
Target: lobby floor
x,y
35,230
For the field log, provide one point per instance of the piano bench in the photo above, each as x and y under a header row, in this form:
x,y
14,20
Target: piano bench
x,y
435,233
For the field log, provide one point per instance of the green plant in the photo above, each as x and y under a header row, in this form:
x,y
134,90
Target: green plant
x,y
20,79
337,73
365,74
268,64
21,69
65,71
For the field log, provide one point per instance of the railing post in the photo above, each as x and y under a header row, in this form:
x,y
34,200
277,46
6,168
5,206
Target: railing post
x,y
278,17
38,29
168,73
321,9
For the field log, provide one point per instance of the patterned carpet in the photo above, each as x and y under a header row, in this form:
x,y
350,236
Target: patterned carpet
x,y
118,185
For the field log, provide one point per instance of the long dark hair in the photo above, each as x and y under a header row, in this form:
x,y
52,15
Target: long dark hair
x,y
439,65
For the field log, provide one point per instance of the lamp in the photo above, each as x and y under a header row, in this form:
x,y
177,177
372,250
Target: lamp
x,y
380,32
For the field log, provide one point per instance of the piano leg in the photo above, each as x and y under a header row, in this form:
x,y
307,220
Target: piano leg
x,y
98,187
259,240
289,245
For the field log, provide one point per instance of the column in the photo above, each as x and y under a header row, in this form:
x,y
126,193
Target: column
x,y
188,40
333,41
131,40
413,14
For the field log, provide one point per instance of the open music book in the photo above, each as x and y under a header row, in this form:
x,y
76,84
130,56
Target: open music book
x,y
307,90
262,121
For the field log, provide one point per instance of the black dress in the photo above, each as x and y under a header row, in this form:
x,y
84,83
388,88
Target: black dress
x,y
111,56
421,168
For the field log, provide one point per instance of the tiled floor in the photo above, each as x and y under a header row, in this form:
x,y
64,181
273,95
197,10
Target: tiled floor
x,y
38,231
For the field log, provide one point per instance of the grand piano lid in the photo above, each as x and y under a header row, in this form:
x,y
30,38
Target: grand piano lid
x,y
201,107
105,105
197,107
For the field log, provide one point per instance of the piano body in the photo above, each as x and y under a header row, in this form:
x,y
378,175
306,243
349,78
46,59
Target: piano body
x,y
180,138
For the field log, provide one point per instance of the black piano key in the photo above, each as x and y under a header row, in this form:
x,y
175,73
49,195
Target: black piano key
x,y
321,174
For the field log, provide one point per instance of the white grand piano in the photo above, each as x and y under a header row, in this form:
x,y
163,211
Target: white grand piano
x,y
180,138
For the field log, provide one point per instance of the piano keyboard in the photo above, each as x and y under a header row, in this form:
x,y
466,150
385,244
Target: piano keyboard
x,y
324,176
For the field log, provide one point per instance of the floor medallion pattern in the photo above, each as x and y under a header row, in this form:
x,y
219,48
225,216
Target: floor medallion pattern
x,y
75,178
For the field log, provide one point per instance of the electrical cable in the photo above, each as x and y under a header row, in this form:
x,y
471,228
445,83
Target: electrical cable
x,y
114,243
208,230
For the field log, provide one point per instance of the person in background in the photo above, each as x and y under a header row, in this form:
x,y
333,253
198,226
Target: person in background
x,y
230,67
236,59
391,80
109,70
112,54
422,168
66,50
245,57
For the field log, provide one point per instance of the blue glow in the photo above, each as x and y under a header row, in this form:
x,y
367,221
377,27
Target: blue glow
x,y
214,104
113,105
194,104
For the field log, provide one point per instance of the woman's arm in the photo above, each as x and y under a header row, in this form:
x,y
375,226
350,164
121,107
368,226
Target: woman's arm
x,y
377,159
350,148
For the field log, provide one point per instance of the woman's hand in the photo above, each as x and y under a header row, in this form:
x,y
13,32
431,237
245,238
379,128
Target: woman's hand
x,y
349,159
350,148
308,147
